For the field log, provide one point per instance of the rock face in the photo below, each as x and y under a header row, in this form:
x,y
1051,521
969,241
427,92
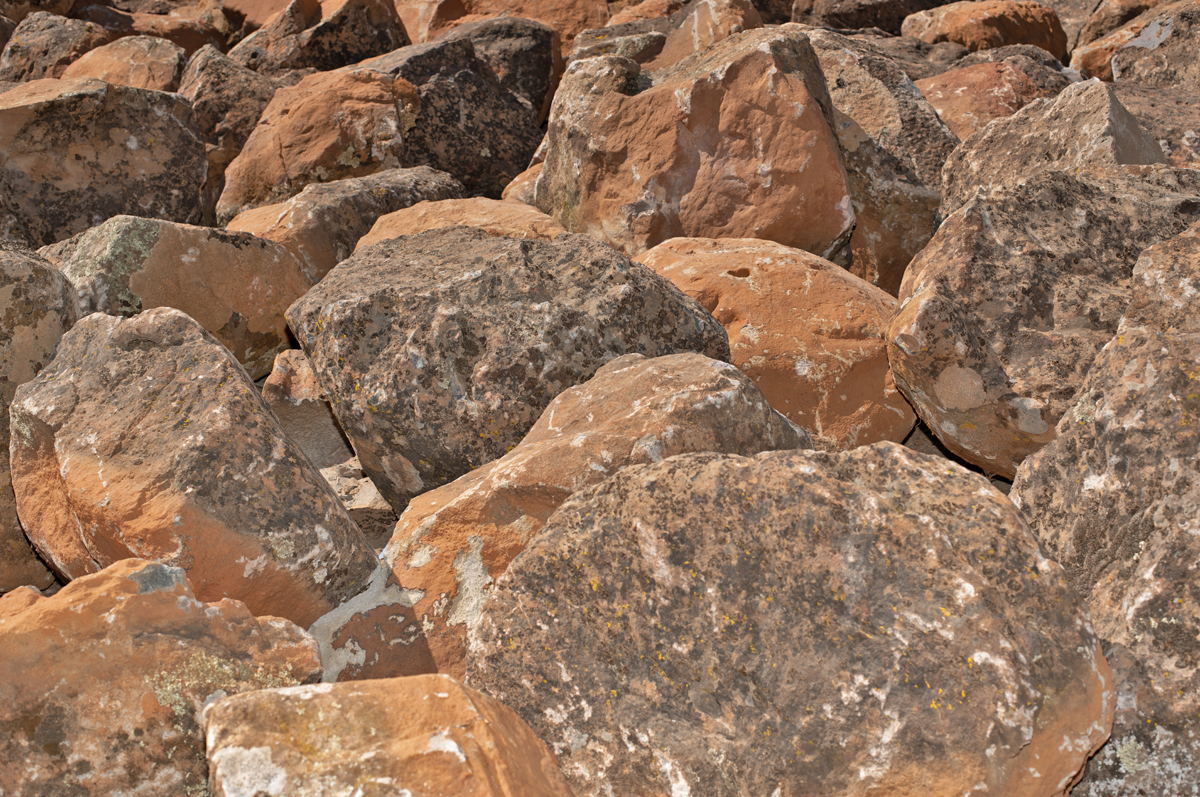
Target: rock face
x,y
1153,48
118,715
426,19
1110,15
144,62
43,45
366,507
161,448
452,543
81,151
886,15
1170,116
190,33
493,216
440,350
968,98
990,23
701,24
918,59
796,622
38,306
1004,311
423,737
810,335
292,393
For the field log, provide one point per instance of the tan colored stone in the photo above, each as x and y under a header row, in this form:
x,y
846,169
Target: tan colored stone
x,y
494,216
292,393
523,188
363,502
189,32
990,23
647,9
968,98
1171,116
1156,48
253,14
144,62
44,45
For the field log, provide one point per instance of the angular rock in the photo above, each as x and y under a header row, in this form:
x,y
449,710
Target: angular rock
x,y
1073,14
452,543
886,15
990,23
1156,48
639,41
363,502
699,25
161,448
493,216
426,736
918,59
646,9
969,97
1171,116
80,151
118,714
44,45
253,14
1110,15
144,62
188,32
1046,71
37,305
1165,280
800,622
17,10
478,334
523,188
426,19
706,149
292,393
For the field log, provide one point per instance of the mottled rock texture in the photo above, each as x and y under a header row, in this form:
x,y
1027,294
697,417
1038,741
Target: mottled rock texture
x,y
969,97
44,45
494,216
701,24
144,62
1171,116
1156,48
144,438
104,680
990,23
1073,14
189,32
292,393
363,502
426,19
886,15
17,10
1110,15
872,622
1046,71
919,59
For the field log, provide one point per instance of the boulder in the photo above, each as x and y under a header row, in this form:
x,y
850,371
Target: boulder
x,y
808,333
1073,15
641,40
990,23
708,148
523,188
868,622
362,500
190,33
104,680
1171,116
253,14
452,543
161,448
80,151
440,350
426,736
646,9
17,10
427,19
918,59
969,97
1155,48
1046,71
144,62
1110,15
885,15
493,216
43,45
699,25
38,307
292,393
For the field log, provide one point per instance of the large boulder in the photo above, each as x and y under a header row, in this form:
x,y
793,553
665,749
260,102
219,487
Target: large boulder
x,y
145,438
144,62
512,219
990,23
919,59
427,19
871,622
189,32
885,15
1171,116
970,97
103,681
1073,15
44,45
1110,15
439,351
17,10
1156,48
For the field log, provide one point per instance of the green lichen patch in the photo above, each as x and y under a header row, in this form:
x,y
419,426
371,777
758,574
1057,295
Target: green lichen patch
x,y
183,689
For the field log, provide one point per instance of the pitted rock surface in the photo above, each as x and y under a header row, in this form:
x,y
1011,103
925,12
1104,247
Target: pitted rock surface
x,y
44,45
1073,14
969,97
886,15
1110,15
797,623
478,334
144,62
292,393
426,19
144,438
119,714
990,23
1138,42
1170,116
918,59
494,216
1166,280
701,24
638,40
189,32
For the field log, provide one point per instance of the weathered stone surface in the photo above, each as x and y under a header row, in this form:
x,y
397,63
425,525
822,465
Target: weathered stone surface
x,y
1084,126
1156,48
871,622
37,305
1110,15
712,148
808,333
990,23
638,41
493,216
323,223
1046,71
7,26
43,45
144,62
161,448
253,14
886,15
647,9
17,10
363,502
478,334
700,24
1003,313
1171,116
523,188
104,680
968,98
918,59
190,33
292,393
427,736
426,19
1073,14
1164,283
452,543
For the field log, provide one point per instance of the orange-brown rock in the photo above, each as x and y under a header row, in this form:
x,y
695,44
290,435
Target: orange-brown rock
x,y
104,681
523,187
292,393
885,15
427,736
144,438
968,98
494,216
1156,48
144,62
44,45
647,9
701,24
990,23
189,32
427,19
253,14
1110,15
17,10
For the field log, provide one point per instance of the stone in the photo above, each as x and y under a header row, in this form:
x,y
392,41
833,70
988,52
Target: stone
x,y
493,216
1084,126
1003,313
440,350
1073,14
144,62
647,9
7,26
808,333
706,149
425,20
918,59
868,622
970,97
43,46
118,714
1171,116
1043,69
253,14
523,187
323,223
161,448
1110,15
79,151
38,306
363,502
453,543
990,23
292,393
641,40
1153,48
886,15
190,33
425,736
699,25
17,10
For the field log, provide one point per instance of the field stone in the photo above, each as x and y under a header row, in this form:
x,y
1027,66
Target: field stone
x,y
440,350
292,393
1171,116
1073,14
145,438
1158,45
886,15
43,45
970,97
363,501
17,10
1046,71
144,62
699,25
191,32
859,623
919,59
990,23
497,217
1110,15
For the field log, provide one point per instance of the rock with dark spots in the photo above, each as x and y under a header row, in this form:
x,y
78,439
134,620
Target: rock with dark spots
x,y
872,622
990,23
363,502
7,26
1083,127
44,45
17,10
144,62
440,350
1156,48
701,24
190,33
1110,15
638,39
452,543
80,151
119,714
646,10
37,305
887,15
494,216
1073,15
970,97
1165,282
292,393
425,19
325,222
918,59
1003,313
1171,116
1046,71
144,438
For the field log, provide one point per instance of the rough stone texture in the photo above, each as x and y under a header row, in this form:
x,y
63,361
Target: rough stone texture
x,y
886,15
1156,48
990,23
426,19
43,45
1084,126
736,142
452,543
638,41
809,334
701,24
1046,71
1110,15
1171,116
144,62
323,223
190,33
917,58
440,350
253,14
872,622
523,188
17,10
37,306
118,714
363,502
292,393
968,98
1073,14
427,736
161,448
7,26
1003,313
81,151
493,216
647,9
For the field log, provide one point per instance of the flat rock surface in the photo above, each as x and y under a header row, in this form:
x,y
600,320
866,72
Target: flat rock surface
x,y
144,62
990,23
292,393
494,216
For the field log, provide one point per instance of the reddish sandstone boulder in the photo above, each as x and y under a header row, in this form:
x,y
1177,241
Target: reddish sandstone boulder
x,y
144,62
523,188
189,32
699,25
43,45
968,98
496,217
1110,15
1156,48
292,393
990,23
17,10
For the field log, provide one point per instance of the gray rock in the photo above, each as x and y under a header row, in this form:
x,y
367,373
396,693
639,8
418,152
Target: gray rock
x,y
44,45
